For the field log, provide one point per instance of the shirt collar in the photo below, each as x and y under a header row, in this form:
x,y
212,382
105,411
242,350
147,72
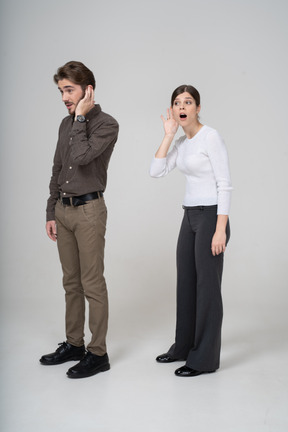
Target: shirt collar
x,y
94,111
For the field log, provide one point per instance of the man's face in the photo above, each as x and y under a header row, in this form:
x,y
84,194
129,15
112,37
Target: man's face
x,y
71,94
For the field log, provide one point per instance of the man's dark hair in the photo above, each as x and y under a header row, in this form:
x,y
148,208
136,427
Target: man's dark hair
x,y
76,72
186,88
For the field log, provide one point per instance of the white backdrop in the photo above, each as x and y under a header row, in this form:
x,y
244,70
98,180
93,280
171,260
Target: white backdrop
x,y
235,53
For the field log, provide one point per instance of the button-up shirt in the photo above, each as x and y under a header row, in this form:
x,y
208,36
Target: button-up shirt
x,y
82,156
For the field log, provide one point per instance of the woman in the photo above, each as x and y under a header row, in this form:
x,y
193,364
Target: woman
x,y
201,155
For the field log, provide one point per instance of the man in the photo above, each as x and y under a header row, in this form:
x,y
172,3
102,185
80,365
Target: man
x,y
76,218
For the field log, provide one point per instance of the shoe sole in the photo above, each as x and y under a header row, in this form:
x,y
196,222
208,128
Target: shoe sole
x,y
103,368
76,358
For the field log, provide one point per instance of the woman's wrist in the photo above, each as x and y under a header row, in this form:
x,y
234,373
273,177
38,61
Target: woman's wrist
x,y
170,135
221,223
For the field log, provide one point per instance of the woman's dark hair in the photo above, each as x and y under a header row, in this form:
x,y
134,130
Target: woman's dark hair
x,y
76,72
186,88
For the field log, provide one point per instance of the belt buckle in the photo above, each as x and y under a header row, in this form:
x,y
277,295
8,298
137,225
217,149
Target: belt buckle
x,y
76,202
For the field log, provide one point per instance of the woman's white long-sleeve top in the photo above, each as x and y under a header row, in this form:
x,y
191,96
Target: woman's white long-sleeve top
x,y
204,161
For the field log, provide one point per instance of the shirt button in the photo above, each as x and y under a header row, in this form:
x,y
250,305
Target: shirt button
x,y
70,167
67,181
64,193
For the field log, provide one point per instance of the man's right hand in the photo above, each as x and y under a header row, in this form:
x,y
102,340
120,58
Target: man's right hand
x,y
51,230
86,103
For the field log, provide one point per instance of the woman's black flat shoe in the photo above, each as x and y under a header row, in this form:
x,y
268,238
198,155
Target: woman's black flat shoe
x,y
165,358
185,371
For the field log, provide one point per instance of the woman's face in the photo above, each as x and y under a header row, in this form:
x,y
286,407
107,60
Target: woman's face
x,y
185,110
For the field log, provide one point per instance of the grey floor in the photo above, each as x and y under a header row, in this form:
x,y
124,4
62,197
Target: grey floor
x,y
248,393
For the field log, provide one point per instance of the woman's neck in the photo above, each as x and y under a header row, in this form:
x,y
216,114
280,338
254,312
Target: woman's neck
x,y
192,130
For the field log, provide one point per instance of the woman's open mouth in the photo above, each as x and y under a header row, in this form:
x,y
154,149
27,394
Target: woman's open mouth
x,y
183,116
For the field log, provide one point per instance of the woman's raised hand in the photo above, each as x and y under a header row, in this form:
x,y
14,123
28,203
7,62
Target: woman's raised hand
x,y
170,128
170,125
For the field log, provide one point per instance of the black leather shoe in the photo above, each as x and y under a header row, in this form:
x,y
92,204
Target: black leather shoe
x,y
166,358
64,353
185,371
90,365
